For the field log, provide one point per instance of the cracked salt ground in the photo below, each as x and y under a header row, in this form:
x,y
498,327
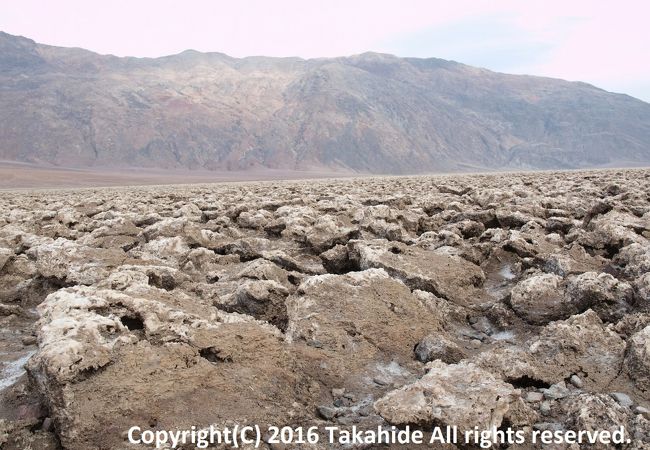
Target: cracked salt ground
x,y
371,301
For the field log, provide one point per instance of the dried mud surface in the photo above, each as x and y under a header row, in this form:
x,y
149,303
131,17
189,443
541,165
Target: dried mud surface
x,y
518,300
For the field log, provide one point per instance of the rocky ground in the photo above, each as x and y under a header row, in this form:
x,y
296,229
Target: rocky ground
x,y
519,300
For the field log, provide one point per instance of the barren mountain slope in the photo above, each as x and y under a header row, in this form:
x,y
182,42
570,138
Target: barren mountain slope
x,y
370,113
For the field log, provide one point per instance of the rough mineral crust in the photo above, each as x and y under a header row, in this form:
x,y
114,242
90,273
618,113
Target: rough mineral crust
x,y
359,322
638,359
540,299
437,346
596,412
609,297
109,358
445,273
519,301
451,394
580,344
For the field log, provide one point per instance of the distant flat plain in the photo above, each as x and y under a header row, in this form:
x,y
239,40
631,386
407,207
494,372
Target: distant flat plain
x,y
18,175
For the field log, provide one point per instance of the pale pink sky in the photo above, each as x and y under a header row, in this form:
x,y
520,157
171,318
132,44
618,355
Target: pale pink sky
x,y
606,43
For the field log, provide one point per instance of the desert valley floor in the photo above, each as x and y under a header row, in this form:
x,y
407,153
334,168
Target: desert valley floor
x,y
507,300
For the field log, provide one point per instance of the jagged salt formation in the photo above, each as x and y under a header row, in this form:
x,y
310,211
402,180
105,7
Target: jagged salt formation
x,y
469,301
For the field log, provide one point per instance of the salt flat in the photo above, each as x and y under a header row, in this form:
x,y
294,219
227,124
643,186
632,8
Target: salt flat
x,y
517,300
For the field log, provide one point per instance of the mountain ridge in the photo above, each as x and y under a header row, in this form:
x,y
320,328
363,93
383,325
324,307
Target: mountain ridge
x,y
370,113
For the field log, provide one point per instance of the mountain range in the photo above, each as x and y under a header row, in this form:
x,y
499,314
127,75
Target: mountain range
x,y
369,113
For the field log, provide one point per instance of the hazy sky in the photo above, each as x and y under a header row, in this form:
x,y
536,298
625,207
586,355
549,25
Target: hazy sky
x,y
606,43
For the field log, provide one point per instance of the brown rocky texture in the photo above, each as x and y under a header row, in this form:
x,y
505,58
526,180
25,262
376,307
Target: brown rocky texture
x,y
457,394
149,361
638,358
420,300
578,345
368,113
446,273
593,412
435,346
540,299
